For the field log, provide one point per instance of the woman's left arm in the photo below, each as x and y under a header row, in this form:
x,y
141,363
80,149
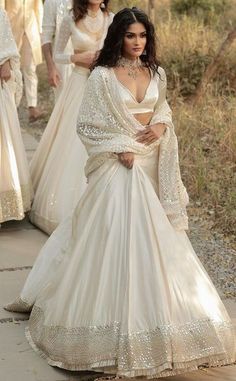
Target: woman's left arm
x,y
162,118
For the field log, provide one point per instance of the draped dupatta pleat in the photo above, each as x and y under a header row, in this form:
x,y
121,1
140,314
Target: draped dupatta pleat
x,y
106,128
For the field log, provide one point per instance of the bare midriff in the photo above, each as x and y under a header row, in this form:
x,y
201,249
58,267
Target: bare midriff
x,y
144,118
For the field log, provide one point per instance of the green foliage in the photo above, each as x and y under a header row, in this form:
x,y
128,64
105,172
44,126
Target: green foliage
x,y
207,10
185,74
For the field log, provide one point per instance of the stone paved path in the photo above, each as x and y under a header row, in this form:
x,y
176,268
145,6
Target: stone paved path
x,y
20,243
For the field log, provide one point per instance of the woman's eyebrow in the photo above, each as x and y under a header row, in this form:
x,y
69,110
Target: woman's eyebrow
x,y
136,33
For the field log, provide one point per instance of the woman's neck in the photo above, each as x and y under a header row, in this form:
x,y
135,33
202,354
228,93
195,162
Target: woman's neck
x,y
93,9
130,58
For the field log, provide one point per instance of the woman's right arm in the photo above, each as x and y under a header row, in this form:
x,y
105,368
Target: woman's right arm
x,y
63,38
48,33
5,71
84,59
126,159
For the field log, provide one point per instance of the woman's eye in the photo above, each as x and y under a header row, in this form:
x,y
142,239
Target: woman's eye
x,y
129,36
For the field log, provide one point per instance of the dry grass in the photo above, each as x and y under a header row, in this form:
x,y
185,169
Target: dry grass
x,y
207,140
207,133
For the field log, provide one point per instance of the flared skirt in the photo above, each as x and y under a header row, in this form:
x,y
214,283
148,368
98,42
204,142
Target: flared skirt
x,y
126,293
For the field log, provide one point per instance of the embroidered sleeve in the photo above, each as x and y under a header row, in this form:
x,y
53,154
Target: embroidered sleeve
x,y
64,34
49,21
163,113
8,49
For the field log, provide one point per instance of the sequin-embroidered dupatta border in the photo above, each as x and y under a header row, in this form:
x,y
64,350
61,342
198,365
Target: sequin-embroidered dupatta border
x,y
14,203
165,351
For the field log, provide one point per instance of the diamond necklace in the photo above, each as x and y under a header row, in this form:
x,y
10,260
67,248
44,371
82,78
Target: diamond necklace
x,y
133,66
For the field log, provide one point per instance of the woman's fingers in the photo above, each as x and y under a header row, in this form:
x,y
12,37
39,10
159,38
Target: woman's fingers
x,y
147,138
127,160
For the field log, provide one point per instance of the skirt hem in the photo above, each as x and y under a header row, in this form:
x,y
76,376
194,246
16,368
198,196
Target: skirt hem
x,y
109,366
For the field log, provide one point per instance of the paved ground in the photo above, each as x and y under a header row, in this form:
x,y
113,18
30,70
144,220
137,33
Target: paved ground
x,y
20,243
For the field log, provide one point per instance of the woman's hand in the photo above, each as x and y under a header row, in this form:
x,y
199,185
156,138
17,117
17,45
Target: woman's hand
x,y
86,59
5,71
54,77
126,159
151,133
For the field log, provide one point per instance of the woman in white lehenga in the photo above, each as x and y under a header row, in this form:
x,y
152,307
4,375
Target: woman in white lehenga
x,y
118,288
57,168
15,184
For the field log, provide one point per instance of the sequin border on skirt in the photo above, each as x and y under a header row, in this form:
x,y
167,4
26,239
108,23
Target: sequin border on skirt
x,y
165,351
14,203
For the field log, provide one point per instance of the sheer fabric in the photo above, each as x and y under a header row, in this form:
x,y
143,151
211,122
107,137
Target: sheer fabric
x,y
54,12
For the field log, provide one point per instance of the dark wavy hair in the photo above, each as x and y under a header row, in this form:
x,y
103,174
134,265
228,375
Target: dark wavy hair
x,y
80,8
113,44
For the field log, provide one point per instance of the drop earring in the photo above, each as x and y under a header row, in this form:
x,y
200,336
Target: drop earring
x,y
102,6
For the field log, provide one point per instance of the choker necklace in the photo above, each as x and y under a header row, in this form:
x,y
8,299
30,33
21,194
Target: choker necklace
x,y
94,21
93,14
133,66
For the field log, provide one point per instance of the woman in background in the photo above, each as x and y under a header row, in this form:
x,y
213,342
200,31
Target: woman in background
x,y
15,183
57,168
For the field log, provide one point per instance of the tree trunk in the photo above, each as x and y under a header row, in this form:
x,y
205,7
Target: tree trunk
x,y
151,10
212,67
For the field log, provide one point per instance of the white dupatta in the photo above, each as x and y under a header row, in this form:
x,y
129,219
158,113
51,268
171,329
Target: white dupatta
x,y
106,128
9,51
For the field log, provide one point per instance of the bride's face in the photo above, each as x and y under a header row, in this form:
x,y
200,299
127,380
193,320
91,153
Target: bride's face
x,y
134,41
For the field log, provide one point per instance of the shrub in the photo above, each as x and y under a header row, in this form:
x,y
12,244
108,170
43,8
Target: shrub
x,y
207,10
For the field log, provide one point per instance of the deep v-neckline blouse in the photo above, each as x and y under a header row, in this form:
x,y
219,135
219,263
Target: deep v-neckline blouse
x,y
148,102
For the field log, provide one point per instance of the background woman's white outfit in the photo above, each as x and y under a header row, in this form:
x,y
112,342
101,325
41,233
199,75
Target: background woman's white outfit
x,y
53,13
57,168
26,21
15,183
127,293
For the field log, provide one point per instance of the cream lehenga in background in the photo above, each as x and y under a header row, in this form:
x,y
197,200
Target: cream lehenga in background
x,y
15,184
57,168
118,287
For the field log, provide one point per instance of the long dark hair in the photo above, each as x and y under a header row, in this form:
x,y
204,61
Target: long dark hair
x,y
113,44
80,8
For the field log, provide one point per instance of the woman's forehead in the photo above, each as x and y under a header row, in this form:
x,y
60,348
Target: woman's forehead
x,y
136,27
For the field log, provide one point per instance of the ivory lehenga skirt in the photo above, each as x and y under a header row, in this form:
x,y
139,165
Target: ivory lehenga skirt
x,y
117,289
15,183
57,168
